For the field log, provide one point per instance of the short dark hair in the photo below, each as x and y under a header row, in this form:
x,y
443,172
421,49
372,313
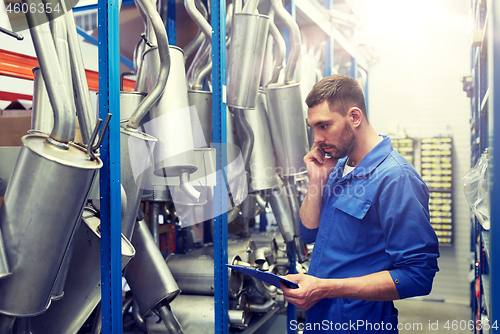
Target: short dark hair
x,y
338,90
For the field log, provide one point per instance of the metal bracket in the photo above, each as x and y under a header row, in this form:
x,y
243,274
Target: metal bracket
x,y
91,150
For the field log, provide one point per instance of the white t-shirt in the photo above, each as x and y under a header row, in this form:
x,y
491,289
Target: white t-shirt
x,y
347,169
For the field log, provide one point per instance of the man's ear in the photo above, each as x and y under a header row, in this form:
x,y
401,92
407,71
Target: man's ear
x,y
356,116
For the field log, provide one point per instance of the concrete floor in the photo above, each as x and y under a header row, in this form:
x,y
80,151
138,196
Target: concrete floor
x,y
425,317
418,316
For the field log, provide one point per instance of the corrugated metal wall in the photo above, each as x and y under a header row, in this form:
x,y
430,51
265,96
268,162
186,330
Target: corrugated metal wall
x,y
417,82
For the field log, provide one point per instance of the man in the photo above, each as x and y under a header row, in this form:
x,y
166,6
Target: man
x,y
367,211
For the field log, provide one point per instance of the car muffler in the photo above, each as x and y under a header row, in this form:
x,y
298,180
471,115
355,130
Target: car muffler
x,y
148,275
288,128
262,161
136,154
171,120
82,291
194,274
284,102
202,100
245,59
196,315
283,213
54,184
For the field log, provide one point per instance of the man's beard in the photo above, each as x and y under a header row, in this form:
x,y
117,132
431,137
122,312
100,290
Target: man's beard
x,y
346,145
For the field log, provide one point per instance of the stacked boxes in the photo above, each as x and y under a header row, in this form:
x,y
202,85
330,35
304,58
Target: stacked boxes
x,y
437,172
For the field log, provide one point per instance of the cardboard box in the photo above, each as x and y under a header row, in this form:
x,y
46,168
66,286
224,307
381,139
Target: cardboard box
x,y
15,121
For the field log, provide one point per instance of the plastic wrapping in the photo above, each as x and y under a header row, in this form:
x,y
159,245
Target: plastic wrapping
x,y
476,189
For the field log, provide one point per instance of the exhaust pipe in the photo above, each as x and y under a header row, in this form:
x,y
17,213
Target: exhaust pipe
x,y
42,116
86,116
280,42
294,30
64,110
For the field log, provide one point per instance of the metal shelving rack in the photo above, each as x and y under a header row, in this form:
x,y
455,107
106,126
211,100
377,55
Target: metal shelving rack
x,y
110,195
479,142
494,140
110,173
482,87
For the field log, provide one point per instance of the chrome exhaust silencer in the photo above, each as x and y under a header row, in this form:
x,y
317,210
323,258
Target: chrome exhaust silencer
x,y
202,100
262,161
147,274
82,291
282,212
129,101
284,102
136,154
196,314
288,128
171,120
36,240
245,59
244,249
4,266
195,274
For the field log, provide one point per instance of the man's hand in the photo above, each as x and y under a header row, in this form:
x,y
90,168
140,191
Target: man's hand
x,y
318,165
306,295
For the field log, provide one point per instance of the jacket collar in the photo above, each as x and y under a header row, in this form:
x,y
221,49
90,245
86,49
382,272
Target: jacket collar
x,y
371,161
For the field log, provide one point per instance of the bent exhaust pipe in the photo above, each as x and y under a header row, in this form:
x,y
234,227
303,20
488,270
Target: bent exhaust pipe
x,y
164,64
64,110
294,30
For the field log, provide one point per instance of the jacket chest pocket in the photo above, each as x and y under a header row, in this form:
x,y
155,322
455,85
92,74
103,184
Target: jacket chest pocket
x,y
348,229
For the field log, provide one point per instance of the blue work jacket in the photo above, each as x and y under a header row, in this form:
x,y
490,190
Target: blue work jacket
x,y
373,219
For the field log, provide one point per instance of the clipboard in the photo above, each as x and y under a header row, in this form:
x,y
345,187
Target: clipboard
x,y
265,276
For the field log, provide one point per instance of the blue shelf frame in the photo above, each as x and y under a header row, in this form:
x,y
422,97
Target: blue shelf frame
x,y
110,194
219,138
494,141
485,87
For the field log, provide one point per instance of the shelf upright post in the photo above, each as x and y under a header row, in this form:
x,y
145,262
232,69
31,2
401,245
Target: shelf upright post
x,y
219,137
109,186
329,63
171,21
494,140
291,310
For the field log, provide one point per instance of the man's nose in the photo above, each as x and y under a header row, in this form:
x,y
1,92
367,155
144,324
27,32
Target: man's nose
x,y
318,137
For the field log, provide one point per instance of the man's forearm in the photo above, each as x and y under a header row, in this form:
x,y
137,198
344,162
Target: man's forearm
x,y
310,211
376,287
